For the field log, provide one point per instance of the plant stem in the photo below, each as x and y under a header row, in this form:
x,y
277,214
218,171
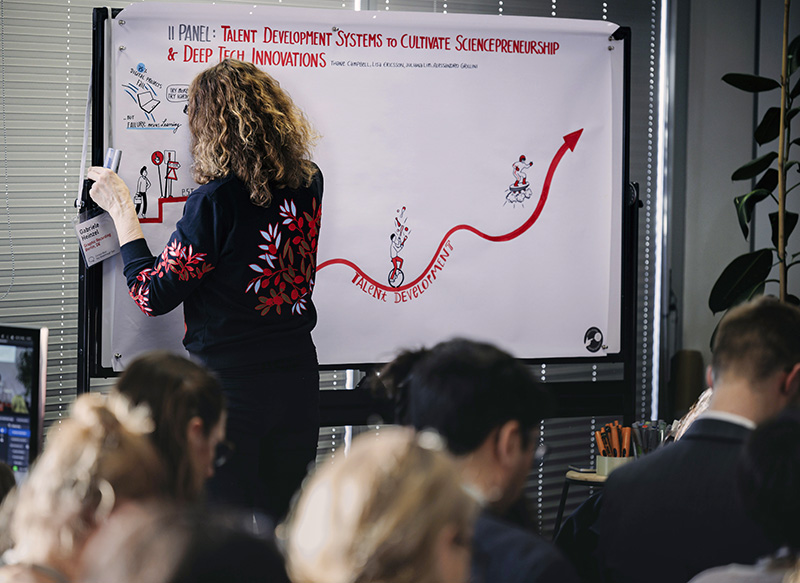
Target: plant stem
x,y
781,155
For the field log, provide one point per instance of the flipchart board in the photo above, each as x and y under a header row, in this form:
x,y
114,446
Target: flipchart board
x,y
473,170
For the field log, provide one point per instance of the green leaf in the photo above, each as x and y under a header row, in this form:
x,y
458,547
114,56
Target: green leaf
x,y
754,167
739,278
768,129
789,164
790,222
769,181
793,54
795,142
750,83
796,90
745,205
770,124
756,290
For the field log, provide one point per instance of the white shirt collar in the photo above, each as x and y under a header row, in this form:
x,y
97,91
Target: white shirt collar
x,y
730,418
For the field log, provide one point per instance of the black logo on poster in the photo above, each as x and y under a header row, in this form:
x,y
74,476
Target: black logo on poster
x,y
593,339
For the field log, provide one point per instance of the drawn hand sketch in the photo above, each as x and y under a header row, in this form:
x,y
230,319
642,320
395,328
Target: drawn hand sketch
x,y
520,190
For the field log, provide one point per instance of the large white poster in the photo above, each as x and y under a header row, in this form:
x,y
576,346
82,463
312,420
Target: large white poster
x,y
472,165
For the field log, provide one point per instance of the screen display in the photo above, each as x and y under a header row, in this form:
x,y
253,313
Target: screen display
x,y
19,368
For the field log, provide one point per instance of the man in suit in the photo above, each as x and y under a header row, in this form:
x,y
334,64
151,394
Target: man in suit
x,y
674,513
488,407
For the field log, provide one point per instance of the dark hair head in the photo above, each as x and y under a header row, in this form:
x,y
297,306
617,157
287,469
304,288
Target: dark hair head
x,y
176,390
757,339
769,478
465,389
143,168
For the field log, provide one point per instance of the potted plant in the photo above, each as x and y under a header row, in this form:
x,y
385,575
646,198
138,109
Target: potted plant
x,y
747,275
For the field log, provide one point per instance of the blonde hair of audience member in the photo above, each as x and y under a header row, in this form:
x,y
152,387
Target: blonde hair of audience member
x,y
93,460
392,511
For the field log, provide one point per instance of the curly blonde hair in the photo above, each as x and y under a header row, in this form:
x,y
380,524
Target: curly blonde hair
x,y
243,123
375,515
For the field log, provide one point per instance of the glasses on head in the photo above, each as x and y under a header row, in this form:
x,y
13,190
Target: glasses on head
x,y
223,453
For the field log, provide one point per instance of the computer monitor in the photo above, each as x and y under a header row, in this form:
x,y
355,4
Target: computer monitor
x,y
23,372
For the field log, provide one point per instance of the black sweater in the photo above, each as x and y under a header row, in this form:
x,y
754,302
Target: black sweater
x,y
244,273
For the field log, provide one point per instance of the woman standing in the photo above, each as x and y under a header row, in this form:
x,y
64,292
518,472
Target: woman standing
x,y
242,260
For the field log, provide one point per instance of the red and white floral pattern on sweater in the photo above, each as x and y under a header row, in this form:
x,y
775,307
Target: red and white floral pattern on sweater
x,y
289,252
176,258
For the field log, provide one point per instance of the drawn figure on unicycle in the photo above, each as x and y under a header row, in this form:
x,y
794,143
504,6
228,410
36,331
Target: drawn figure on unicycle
x,y
398,241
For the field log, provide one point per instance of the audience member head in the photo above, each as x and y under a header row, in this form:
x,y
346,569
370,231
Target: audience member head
x,y
769,478
96,459
243,123
392,511
188,409
485,404
165,543
755,369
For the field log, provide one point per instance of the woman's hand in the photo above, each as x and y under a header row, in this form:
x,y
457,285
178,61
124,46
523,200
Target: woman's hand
x,y
110,192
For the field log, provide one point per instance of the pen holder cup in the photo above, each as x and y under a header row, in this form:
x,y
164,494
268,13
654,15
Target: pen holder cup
x,y
606,465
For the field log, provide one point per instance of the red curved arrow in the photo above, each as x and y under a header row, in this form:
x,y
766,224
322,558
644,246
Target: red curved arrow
x,y
570,140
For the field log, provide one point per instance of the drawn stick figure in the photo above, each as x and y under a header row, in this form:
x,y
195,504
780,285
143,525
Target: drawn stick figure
x,y
519,170
396,246
397,242
140,198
